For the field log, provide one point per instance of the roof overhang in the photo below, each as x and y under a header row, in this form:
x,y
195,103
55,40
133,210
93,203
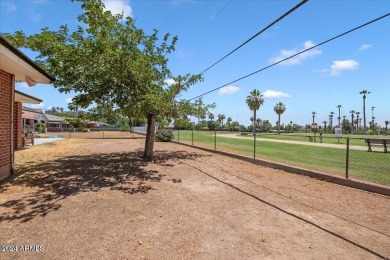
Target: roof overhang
x,y
15,62
24,98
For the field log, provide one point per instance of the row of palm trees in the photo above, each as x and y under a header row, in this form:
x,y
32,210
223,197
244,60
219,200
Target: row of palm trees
x,y
255,100
354,122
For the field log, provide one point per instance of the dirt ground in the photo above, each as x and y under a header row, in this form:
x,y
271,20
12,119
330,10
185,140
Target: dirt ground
x,y
96,199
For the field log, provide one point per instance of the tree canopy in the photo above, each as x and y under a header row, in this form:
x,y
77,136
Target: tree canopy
x,y
113,66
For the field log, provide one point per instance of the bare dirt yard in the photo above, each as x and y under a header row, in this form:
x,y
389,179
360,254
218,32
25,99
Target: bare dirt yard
x,y
97,199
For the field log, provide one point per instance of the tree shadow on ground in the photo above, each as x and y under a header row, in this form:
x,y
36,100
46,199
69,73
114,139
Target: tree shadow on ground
x,y
55,180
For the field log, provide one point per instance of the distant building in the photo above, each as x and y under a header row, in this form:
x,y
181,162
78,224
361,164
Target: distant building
x,y
55,123
31,116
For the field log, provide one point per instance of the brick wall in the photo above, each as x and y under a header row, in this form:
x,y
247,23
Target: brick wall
x,y
5,123
18,125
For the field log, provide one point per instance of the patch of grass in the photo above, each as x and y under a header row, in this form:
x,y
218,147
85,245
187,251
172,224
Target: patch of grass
x,y
368,166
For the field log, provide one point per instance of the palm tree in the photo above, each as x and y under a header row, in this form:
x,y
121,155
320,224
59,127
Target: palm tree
x,y
331,121
324,126
352,117
364,93
343,123
219,119
222,118
339,107
254,101
211,116
387,123
307,126
279,109
258,120
357,122
314,115
372,114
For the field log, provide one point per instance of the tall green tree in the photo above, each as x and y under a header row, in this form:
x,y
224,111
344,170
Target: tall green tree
x,y
279,109
387,123
211,117
331,121
254,101
339,117
112,64
314,115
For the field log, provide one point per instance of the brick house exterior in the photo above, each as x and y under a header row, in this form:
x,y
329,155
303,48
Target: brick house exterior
x,y
14,66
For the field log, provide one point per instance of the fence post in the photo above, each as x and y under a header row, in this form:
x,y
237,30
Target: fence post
x,y
215,140
347,159
192,135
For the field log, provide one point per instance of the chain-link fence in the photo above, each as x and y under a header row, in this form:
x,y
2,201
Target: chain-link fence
x,y
345,157
97,134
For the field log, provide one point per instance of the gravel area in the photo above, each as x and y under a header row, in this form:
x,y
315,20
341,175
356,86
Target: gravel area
x,y
97,199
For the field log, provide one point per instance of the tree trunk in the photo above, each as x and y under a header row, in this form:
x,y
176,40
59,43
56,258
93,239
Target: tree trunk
x,y
150,133
364,115
254,122
278,124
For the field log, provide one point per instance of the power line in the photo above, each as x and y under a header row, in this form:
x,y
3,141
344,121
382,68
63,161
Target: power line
x,y
292,56
212,20
257,34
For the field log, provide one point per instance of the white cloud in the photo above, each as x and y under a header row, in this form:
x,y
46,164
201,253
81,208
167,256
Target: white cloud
x,y
68,100
35,16
40,105
169,81
297,59
273,94
119,6
10,7
340,65
228,90
365,47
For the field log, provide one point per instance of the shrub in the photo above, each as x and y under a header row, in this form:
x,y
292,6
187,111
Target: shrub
x,y
164,135
370,132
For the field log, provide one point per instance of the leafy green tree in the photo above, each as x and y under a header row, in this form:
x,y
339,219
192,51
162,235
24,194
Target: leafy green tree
x,y
254,101
163,123
279,109
112,64
266,126
386,124
211,116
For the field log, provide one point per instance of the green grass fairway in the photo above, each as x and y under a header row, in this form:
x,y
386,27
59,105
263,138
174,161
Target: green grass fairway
x,y
363,165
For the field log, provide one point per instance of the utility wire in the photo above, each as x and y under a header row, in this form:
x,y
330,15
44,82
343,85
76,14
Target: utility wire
x,y
257,34
292,56
212,20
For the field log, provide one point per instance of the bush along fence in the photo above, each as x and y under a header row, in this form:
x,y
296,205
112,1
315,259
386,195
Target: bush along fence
x,y
363,159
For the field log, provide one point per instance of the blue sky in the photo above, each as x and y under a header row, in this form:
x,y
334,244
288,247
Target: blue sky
x,y
317,80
